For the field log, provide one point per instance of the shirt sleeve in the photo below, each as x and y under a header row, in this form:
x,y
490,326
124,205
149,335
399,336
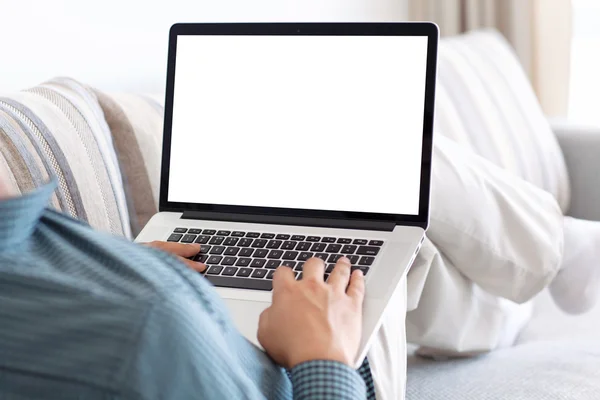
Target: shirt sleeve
x,y
327,380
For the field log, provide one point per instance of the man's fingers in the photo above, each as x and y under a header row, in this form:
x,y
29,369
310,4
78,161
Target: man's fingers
x,y
262,327
196,266
340,275
356,288
281,279
314,268
180,249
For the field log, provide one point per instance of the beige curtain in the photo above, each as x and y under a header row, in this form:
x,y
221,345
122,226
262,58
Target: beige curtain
x,y
539,30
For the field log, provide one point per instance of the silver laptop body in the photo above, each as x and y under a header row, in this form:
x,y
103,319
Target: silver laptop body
x,y
284,141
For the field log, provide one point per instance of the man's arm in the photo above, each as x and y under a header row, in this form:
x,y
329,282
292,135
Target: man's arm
x,y
327,380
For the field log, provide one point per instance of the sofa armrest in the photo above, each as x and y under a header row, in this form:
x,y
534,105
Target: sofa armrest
x,y
581,149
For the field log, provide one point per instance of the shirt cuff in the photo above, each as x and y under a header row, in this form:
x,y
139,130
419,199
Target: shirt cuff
x,y
327,380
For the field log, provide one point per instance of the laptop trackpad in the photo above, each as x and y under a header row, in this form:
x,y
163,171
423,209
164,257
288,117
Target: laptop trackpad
x,y
245,316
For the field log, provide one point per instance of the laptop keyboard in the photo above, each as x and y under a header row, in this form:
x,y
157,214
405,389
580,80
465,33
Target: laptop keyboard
x,y
248,260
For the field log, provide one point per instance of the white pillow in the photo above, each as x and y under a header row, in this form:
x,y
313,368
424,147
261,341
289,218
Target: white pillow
x,y
485,101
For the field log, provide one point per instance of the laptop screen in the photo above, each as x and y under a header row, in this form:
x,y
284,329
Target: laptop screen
x,y
307,122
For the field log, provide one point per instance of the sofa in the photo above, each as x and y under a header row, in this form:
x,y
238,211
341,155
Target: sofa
x,y
104,150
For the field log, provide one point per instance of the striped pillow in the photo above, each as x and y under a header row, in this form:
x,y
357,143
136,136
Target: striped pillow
x,y
485,101
57,131
136,122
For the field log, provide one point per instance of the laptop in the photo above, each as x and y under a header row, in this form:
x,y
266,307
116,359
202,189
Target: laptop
x,y
286,141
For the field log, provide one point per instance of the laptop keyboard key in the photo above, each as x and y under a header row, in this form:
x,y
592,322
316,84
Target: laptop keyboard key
x,y
214,270
243,262
376,243
273,264
245,242
259,243
365,270
282,236
175,237
367,251
274,244
344,241
270,274
214,260
209,232
303,246
252,234
202,239
353,259
217,250
330,268
244,272
290,264
229,261
229,271
322,256
238,233
204,249
333,248
246,252
231,241
201,258
333,258
348,249
223,233
318,247
299,267
195,231
216,240
234,282
305,256
188,239
290,255
231,251
366,260
298,237
180,230
289,245
260,253
258,263
313,239
267,236
328,240
275,254
259,273
359,241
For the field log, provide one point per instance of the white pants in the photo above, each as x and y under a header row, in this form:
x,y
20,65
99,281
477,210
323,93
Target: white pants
x,y
387,355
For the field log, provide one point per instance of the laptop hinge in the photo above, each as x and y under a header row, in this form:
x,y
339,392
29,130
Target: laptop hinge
x,y
298,221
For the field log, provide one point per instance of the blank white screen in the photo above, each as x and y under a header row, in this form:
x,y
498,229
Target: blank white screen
x,y
309,122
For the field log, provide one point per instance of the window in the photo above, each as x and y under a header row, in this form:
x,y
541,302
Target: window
x,y
584,104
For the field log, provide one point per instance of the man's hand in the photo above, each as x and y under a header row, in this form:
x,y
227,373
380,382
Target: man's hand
x,y
311,319
182,251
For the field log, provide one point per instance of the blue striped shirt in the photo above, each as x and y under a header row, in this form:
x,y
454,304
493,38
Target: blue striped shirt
x,y
86,315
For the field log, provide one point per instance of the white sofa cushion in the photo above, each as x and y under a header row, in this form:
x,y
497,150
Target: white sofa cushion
x,y
485,101
536,371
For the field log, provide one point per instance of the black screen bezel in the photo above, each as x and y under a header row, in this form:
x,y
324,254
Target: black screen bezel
x,y
427,29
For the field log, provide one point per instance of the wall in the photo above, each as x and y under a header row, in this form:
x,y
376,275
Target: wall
x,y
122,44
